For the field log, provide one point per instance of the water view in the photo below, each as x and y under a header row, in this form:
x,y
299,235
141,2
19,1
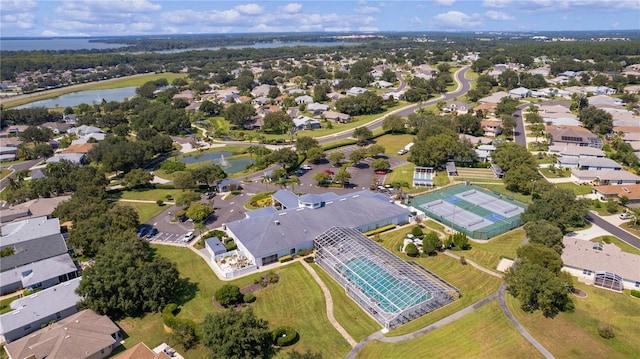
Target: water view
x,y
261,45
221,159
88,97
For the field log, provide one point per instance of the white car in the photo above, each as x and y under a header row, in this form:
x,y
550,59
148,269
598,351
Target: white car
x,y
626,215
305,167
402,152
187,236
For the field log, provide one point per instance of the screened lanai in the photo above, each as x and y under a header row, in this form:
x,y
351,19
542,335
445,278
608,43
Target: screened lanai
x,y
392,290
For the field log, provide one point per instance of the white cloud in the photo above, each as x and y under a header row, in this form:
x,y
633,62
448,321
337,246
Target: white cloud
x,y
49,33
368,29
16,14
586,5
446,2
16,6
22,21
498,15
250,9
496,3
367,10
292,8
457,19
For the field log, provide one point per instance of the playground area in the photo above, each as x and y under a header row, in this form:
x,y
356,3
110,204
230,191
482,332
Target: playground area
x,y
479,213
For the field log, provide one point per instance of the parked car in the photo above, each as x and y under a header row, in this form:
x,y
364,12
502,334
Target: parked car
x,y
188,236
305,167
329,172
402,152
210,195
152,232
183,218
143,229
381,172
626,215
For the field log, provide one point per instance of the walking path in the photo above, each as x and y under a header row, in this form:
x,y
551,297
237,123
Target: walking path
x,y
329,303
474,264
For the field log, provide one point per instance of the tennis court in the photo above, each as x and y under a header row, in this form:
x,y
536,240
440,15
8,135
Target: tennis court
x,y
479,213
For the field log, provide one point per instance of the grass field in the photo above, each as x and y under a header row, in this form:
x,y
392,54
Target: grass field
x,y
4,304
489,253
430,223
485,333
404,173
577,189
349,314
624,246
394,143
575,335
295,300
136,80
472,283
146,211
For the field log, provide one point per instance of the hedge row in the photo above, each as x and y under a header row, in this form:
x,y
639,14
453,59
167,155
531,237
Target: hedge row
x,y
635,293
380,230
286,258
173,322
284,336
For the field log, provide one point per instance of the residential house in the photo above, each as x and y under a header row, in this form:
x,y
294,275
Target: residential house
x,y
600,164
602,101
261,90
14,130
266,238
487,108
597,261
520,92
306,99
79,158
631,191
8,153
574,136
243,99
475,139
337,116
426,71
57,127
260,101
186,95
383,84
483,152
79,148
39,207
355,91
623,117
621,177
600,90
558,115
30,312
141,351
491,128
39,275
84,335
317,108
396,95
306,123
543,71
459,107
10,141
494,98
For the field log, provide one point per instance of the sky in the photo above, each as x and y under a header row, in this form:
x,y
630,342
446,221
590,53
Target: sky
x,y
33,18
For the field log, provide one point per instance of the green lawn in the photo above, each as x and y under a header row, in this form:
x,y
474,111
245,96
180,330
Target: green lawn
x,y
472,283
347,312
577,189
147,194
624,246
489,253
404,173
146,211
558,173
394,143
575,335
430,223
485,333
4,172
4,304
296,300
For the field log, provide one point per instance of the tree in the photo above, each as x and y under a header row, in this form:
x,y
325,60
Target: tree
x,y
228,295
137,178
208,174
199,211
460,240
183,180
508,124
315,154
357,155
510,155
558,206
305,143
277,122
342,176
376,150
236,335
544,233
538,282
394,124
126,280
380,164
433,151
185,198
285,157
431,244
336,158
411,250
321,178
508,79
238,113
211,108
362,134
597,120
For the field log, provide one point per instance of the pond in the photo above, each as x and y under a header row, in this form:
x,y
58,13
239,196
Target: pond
x,y
229,165
89,97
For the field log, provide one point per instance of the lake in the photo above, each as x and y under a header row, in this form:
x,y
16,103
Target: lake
x,y
53,44
89,97
83,43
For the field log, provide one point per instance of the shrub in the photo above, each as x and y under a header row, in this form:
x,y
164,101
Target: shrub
x,y
380,230
160,202
170,166
305,252
185,330
286,258
417,232
309,259
411,250
463,260
635,293
272,278
228,295
284,336
230,245
612,206
249,298
606,331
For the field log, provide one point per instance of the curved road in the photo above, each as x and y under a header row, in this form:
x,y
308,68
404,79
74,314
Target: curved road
x,y
615,230
464,85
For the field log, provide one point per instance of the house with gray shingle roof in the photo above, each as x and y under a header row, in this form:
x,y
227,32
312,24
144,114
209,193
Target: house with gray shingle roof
x,y
41,274
263,239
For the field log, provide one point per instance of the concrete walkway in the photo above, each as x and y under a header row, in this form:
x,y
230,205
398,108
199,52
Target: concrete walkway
x,y
474,264
502,295
329,303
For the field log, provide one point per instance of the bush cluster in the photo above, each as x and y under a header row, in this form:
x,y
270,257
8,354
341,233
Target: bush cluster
x,y
228,295
249,298
305,252
635,293
286,258
186,330
284,336
606,331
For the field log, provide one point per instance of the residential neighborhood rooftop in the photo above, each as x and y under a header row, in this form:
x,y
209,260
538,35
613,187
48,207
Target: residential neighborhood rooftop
x,y
583,254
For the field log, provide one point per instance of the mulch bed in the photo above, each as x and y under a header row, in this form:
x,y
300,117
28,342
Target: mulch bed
x,y
251,288
579,293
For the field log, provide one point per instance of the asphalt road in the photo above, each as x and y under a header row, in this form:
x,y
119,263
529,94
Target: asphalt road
x,y
465,85
518,131
616,231
18,167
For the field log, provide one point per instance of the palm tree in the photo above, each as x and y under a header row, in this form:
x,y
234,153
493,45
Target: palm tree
x,y
293,180
265,179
